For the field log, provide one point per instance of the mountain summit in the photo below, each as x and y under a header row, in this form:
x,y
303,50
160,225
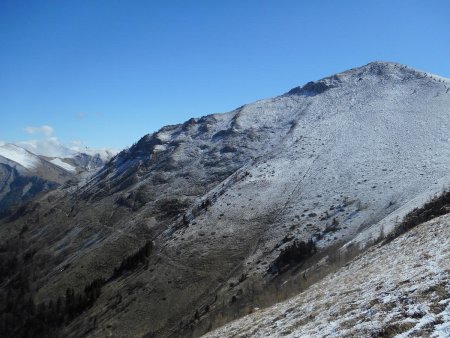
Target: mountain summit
x,y
199,222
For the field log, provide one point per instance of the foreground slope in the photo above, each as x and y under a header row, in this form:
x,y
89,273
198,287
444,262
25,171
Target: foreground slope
x,y
401,288
223,196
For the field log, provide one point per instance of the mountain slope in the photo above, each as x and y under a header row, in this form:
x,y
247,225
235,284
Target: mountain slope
x,y
224,197
399,289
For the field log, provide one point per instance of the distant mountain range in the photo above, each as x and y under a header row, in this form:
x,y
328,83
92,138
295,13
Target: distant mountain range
x,y
202,222
24,173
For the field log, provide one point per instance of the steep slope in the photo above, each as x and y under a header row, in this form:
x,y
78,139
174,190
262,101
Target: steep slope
x,y
224,197
401,289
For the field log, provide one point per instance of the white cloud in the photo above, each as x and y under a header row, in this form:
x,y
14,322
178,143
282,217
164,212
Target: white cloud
x,y
76,143
46,130
50,146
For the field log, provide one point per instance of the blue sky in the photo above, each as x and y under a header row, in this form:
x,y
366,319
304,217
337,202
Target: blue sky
x,y
107,72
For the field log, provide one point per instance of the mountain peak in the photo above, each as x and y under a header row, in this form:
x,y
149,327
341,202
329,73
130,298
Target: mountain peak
x,y
392,69
381,70
381,63
377,68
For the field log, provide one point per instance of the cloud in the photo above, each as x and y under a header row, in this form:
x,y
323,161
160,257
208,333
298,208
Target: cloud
x,y
76,143
49,146
46,130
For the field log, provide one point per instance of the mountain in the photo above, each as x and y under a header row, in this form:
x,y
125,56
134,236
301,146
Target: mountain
x,y
73,159
198,223
80,162
52,147
24,174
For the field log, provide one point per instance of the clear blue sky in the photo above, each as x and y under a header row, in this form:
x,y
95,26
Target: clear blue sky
x,y
108,72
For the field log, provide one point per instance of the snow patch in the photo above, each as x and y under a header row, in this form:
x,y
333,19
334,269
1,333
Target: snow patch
x,y
64,165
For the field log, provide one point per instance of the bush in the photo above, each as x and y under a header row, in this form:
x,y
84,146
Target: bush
x,y
293,254
132,261
438,206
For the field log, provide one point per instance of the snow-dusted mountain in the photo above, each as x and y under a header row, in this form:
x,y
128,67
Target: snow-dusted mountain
x,y
74,159
236,207
80,162
51,147
23,175
27,170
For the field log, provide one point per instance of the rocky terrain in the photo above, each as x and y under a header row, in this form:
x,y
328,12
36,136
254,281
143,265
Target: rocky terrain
x,y
198,223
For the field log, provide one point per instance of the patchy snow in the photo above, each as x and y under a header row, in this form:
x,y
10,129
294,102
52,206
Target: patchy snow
x,y
401,288
19,155
364,149
443,330
26,188
64,165
387,224
159,147
163,136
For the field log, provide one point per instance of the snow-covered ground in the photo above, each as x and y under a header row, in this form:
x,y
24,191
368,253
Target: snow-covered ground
x,y
401,289
64,165
356,148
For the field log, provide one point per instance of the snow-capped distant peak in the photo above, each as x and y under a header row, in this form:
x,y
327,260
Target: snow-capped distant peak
x,y
52,147
19,155
104,153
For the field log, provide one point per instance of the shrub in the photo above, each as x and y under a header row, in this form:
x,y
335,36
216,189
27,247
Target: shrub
x,y
132,261
293,254
436,207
